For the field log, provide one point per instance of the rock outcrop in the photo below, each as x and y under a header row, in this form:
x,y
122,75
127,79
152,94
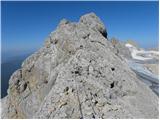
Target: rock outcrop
x,y
120,49
76,74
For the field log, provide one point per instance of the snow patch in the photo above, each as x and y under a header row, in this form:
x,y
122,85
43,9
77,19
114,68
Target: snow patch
x,y
128,45
136,54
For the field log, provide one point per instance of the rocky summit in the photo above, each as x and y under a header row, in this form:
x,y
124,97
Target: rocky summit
x,y
78,74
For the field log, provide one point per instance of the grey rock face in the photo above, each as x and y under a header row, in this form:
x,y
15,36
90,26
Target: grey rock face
x,y
92,21
120,49
76,74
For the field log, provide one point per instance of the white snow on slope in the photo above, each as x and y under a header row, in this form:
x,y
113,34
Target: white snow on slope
x,y
135,53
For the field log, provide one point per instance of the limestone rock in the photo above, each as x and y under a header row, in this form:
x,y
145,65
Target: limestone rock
x,y
92,21
120,49
76,74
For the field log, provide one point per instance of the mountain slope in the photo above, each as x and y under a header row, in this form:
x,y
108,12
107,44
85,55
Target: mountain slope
x,y
7,68
78,75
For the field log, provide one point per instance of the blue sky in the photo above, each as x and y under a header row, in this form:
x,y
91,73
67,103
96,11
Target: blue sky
x,y
25,25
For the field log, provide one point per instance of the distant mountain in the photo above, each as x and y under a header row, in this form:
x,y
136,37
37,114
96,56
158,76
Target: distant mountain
x,y
156,49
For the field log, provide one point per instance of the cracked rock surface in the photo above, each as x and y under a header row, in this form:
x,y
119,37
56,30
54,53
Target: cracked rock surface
x,y
76,74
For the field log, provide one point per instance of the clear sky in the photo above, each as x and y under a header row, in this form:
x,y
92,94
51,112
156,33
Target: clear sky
x,y
25,25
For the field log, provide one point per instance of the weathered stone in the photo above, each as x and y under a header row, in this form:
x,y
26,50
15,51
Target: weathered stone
x,y
85,79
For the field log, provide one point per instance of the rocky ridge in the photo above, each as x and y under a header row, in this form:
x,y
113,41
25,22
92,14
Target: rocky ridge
x,y
120,49
77,74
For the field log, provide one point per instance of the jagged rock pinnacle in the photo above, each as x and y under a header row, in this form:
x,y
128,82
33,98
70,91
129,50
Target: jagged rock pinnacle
x,y
92,21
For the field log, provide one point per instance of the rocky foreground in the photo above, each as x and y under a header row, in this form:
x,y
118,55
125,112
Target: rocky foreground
x,y
78,73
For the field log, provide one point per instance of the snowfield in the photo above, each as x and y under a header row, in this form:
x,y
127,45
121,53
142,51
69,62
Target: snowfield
x,y
141,54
